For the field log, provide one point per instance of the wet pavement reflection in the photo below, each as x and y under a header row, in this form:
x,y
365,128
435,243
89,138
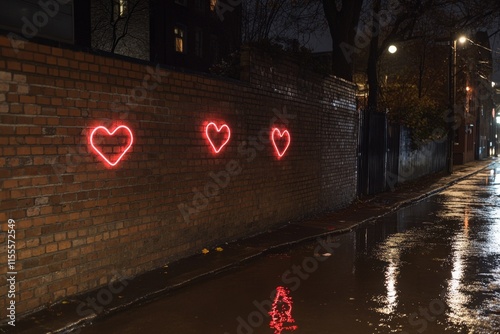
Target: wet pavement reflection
x,y
433,267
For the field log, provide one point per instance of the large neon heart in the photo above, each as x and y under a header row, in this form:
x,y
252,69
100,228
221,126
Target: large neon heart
x,y
221,143
98,151
284,141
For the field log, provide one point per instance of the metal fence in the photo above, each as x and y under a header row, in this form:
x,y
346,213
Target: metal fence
x,y
386,156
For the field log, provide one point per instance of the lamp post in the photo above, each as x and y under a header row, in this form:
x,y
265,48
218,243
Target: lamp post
x,y
451,102
452,84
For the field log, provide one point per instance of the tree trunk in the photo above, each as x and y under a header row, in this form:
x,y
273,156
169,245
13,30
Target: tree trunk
x,y
342,24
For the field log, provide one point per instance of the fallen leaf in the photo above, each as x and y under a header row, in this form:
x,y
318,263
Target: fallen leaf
x,y
219,249
324,254
205,251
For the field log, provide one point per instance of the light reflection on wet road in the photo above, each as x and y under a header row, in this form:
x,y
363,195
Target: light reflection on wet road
x,y
433,267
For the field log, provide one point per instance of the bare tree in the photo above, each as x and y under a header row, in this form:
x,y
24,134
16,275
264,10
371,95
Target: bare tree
x,y
281,20
425,20
121,26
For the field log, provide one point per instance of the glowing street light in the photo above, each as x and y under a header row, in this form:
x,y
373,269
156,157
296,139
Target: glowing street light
x,y
392,49
452,84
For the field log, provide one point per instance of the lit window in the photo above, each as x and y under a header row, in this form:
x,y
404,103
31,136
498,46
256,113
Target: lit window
x,y
213,3
121,9
179,39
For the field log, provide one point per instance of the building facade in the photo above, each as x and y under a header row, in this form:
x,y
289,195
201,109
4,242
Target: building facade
x,y
193,34
474,104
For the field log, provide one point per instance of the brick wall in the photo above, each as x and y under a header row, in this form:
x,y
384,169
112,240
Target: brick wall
x,y
78,221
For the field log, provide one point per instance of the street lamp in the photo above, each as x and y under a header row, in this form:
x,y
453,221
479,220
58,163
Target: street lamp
x,y
452,84
392,49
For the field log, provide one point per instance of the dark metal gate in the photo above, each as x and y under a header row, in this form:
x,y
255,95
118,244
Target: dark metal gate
x,y
372,158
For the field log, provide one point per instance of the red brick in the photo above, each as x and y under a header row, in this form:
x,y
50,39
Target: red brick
x,y
24,55
62,62
41,58
42,70
57,52
28,68
42,100
31,109
50,248
8,53
12,98
27,99
64,245
9,184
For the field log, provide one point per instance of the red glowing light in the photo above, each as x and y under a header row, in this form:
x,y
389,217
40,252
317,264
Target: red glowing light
x,y
283,140
281,312
214,136
98,151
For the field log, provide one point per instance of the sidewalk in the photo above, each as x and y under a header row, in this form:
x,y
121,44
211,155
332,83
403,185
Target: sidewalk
x,y
63,316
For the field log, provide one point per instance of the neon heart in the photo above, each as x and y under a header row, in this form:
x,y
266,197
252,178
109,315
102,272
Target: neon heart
x,y
281,135
98,151
223,126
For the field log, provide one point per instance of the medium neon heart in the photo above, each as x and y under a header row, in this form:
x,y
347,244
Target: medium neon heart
x,y
223,126
98,151
285,134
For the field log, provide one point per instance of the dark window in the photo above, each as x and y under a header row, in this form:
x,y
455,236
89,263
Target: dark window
x,y
214,48
199,6
29,20
198,42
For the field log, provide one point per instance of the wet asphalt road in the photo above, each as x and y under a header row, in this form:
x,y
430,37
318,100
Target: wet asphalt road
x,y
433,267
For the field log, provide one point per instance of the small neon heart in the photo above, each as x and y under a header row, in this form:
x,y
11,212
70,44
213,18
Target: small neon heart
x,y
223,142
283,136
98,151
